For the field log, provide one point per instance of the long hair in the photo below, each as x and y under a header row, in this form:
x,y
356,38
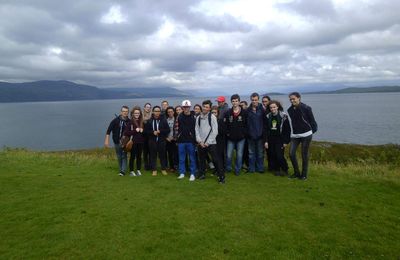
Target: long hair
x,y
139,122
277,103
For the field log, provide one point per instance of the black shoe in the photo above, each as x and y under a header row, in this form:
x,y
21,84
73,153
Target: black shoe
x,y
277,173
284,173
294,176
221,180
303,178
201,177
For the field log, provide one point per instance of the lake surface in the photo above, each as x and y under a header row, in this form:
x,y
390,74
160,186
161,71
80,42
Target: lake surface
x,y
343,118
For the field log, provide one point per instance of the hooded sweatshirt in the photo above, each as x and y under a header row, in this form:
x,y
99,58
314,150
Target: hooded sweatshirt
x,y
203,129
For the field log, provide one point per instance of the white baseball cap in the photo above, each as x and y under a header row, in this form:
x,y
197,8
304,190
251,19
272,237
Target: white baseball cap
x,y
186,103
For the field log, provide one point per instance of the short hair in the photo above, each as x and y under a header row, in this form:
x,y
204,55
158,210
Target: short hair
x,y
170,108
267,97
164,101
207,102
296,94
124,107
277,103
156,107
235,96
244,101
255,94
147,104
215,108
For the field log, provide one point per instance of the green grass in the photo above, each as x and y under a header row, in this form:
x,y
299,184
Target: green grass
x,y
73,205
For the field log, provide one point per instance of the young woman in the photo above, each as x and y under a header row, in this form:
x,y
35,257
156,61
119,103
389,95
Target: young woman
x,y
157,130
277,137
135,129
171,147
303,126
197,110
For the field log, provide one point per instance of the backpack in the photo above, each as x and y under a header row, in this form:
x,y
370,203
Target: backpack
x,y
209,120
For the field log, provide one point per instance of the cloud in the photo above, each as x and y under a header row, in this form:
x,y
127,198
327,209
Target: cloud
x,y
240,45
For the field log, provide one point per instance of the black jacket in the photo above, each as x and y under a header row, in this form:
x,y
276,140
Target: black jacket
x,y
302,119
284,127
151,126
117,127
236,127
186,129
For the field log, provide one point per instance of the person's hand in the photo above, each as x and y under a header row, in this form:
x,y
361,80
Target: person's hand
x,y
155,133
106,144
266,145
138,129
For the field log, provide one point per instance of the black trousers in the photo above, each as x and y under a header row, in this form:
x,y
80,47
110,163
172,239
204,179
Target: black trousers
x,y
146,153
277,156
172,154
136,154
213,151
305,145
157,149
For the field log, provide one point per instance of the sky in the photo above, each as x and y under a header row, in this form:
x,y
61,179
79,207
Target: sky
x,y
206,46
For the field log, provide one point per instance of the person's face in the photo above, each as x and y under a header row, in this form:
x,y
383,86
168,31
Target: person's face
x,y
254,101
164,105
273,108
265,102
178,110
197,110
220,103
294,100
170,113
124,112
243,105
235,102
206,108
156,112
136,114
214,112
147,108
186,110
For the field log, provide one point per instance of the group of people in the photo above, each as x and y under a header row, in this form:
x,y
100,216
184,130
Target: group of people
x,y
191,141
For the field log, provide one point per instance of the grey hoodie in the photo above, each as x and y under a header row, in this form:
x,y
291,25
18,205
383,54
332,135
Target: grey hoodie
x,y
204,129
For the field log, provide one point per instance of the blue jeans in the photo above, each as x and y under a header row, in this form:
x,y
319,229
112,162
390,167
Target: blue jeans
x,y
183,150
305,145
256,155
122,158
239,146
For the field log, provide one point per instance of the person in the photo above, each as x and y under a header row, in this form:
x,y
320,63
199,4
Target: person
x,y
157,130
303,126
236,130
146,154
117,127
135,129
197,110
164,106
206,134
265,101
255,115
222,106
277,137
186,139
221,138
171,148
244,106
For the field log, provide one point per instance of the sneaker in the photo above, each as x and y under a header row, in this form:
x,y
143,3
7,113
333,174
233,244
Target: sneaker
x,y
221,180
192,178
121,174
303,178
138,173
154,173
211,165
132,174
181,176
164,172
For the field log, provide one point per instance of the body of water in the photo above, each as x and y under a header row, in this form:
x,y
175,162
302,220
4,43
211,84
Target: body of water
x,y
343,118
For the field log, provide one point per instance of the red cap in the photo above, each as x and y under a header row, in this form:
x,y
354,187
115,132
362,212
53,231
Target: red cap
x,y
220,99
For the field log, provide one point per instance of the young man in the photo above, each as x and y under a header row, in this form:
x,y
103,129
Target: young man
x,y
255,116
303,126
265,100
236,130
222,107
186,139
117,127
206,134
164,106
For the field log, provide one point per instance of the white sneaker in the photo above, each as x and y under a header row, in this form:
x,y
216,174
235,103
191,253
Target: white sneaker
x,y
192,178
132,174
138,173
211,165
181,176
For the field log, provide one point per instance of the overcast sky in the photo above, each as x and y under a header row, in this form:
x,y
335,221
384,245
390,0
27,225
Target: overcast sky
x,y
227,46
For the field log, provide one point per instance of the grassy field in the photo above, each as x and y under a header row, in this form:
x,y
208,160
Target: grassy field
x,y
74,205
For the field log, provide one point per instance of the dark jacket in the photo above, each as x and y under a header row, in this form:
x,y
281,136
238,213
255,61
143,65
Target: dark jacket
x,y
255,122
117,127
186,129
236,127
284,127
130,130
222,110
302,120
151,126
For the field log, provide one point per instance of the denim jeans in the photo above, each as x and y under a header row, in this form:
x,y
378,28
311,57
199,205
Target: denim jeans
x,y
122,158
239,146
256,155
305,144
183,150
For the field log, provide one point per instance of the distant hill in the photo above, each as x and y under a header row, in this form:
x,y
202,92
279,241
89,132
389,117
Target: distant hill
x,y
360,90
47,90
